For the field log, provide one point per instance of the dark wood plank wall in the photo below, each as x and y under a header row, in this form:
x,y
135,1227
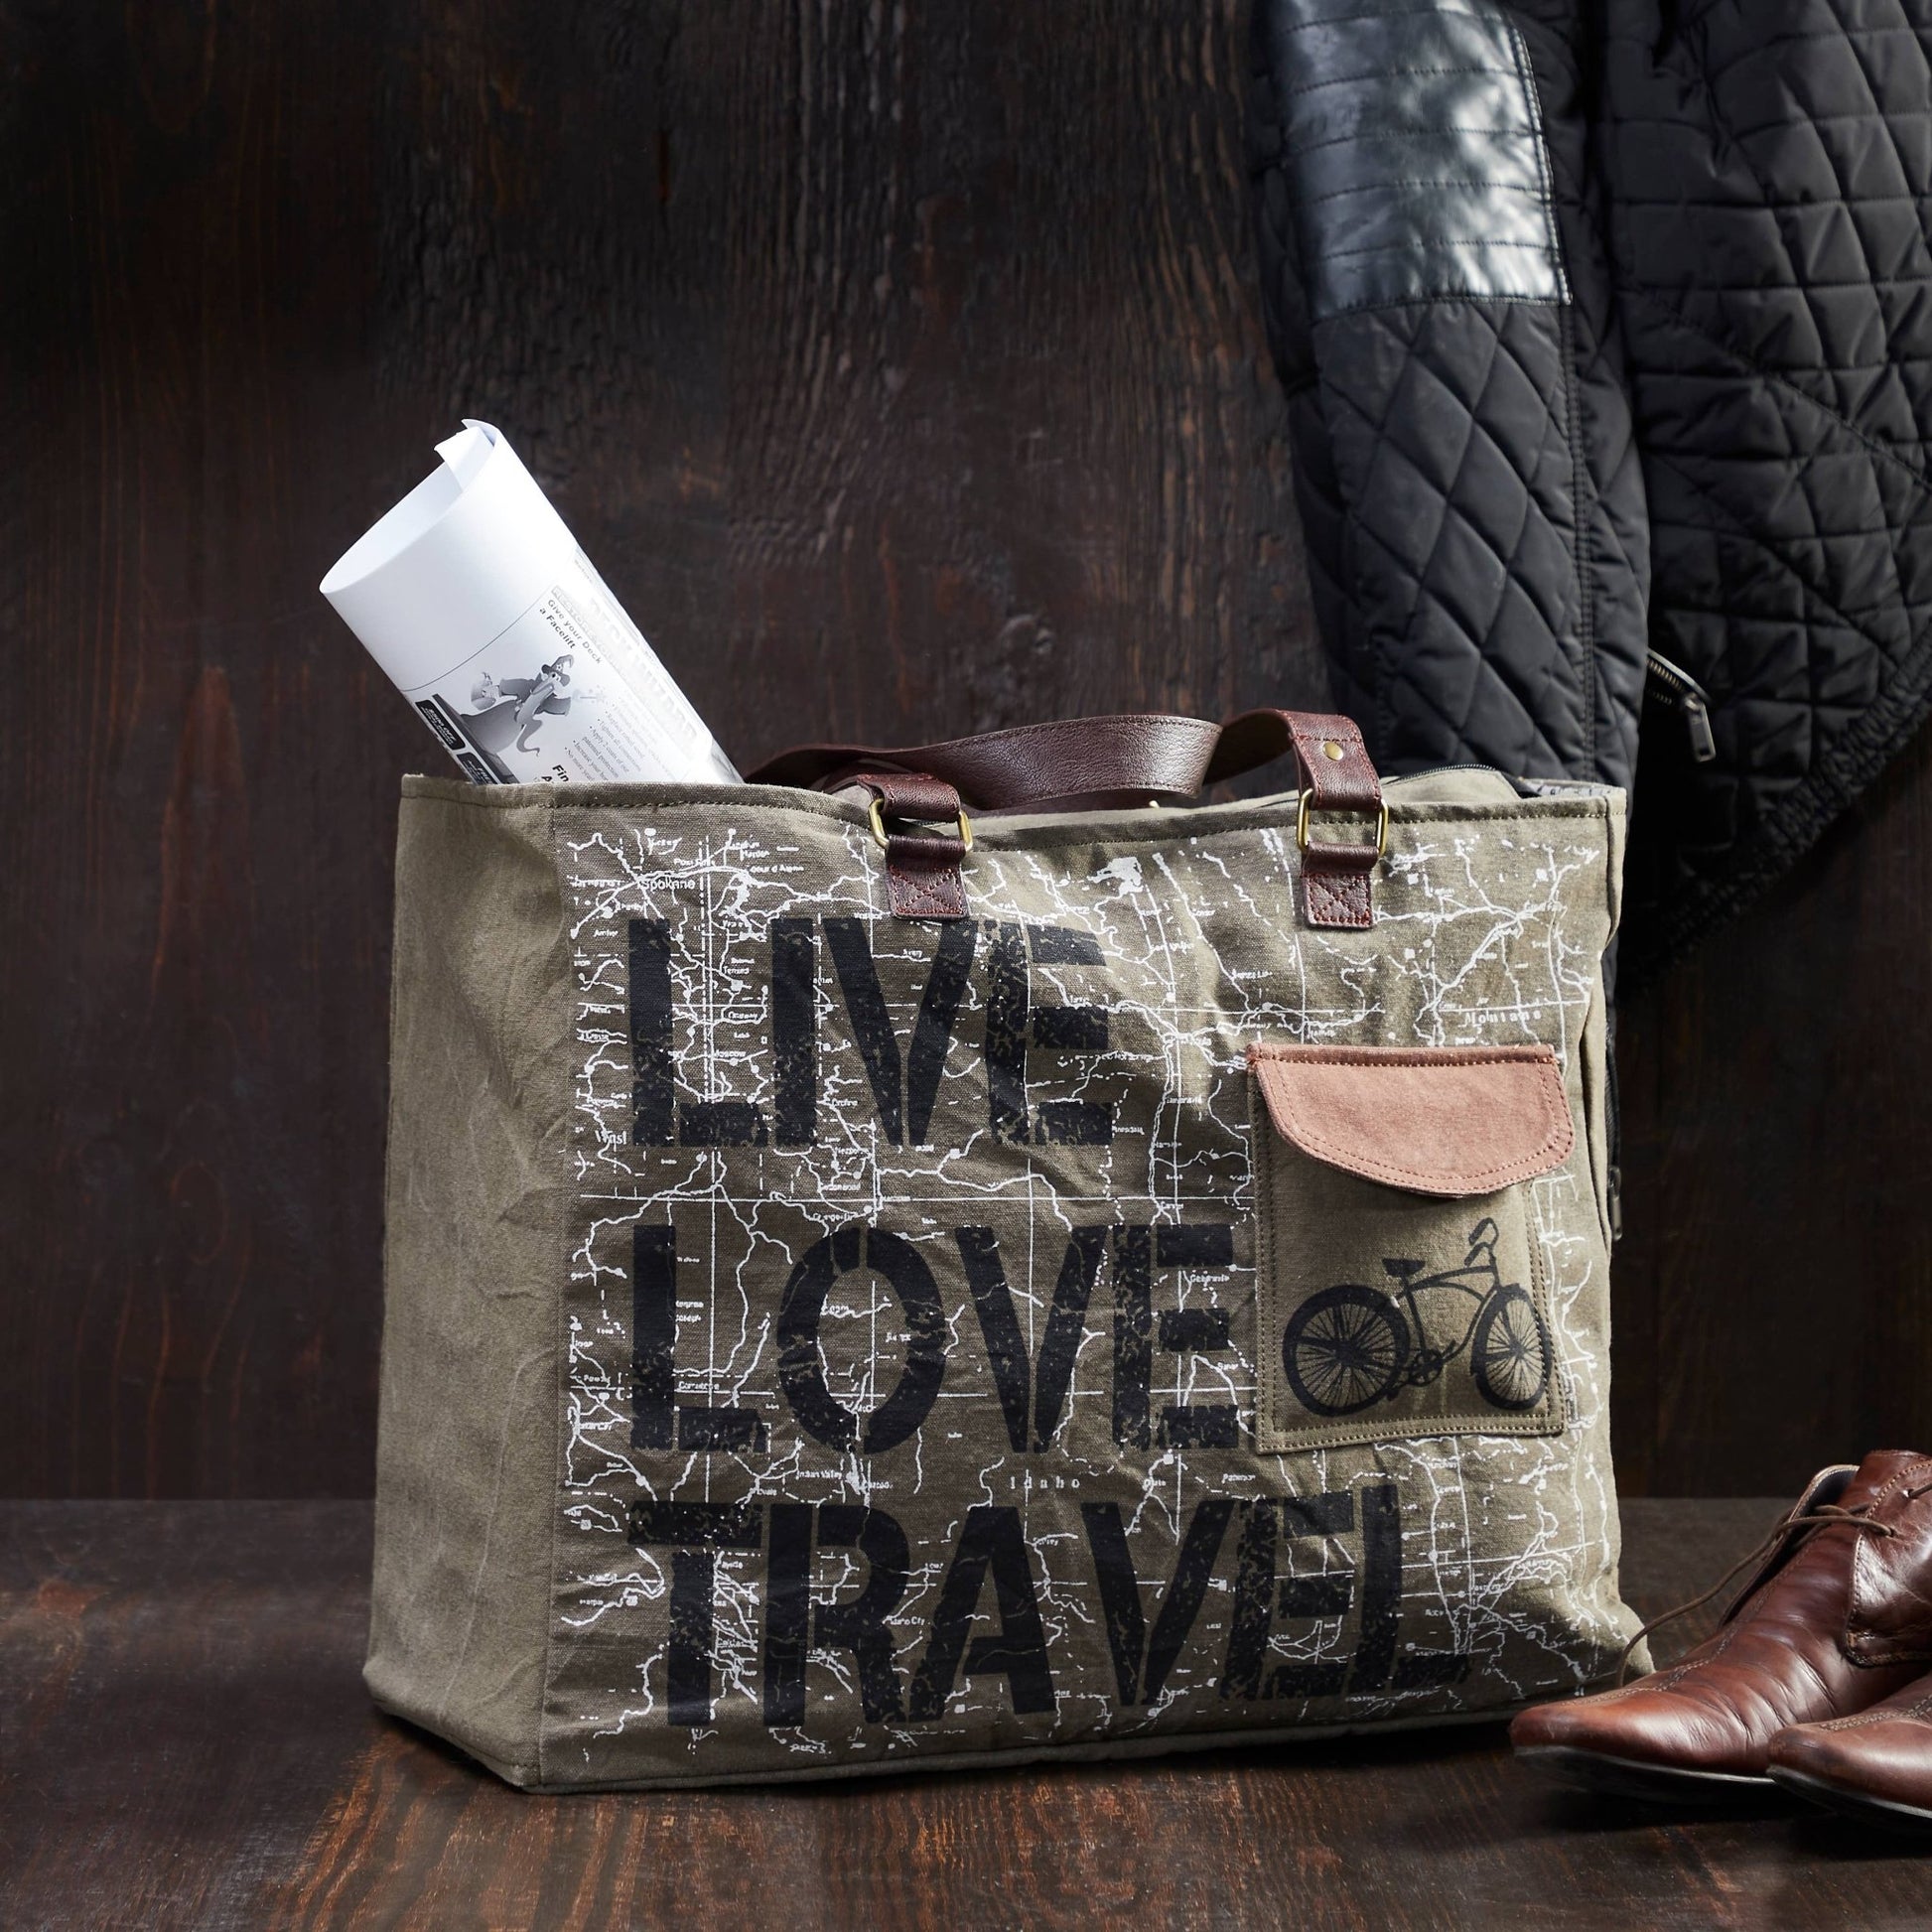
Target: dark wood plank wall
x,y
901,367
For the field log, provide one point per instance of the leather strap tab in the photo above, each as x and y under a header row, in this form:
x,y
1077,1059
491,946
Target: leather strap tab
x,y
913,794
1335,765
1335,889
1336,775
922,876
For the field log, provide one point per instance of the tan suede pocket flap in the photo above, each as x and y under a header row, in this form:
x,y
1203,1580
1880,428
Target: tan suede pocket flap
x,y
1435,1120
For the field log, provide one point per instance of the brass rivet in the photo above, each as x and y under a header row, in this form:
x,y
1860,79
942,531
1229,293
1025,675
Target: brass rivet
x,y
1329,748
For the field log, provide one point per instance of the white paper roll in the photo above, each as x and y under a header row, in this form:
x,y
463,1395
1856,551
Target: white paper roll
x,y
472,595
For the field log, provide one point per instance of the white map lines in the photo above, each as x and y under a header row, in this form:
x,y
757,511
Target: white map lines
x,y
1191,950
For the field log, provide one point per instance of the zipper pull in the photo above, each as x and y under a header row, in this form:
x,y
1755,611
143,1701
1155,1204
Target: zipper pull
x,y
1686,695
1697,717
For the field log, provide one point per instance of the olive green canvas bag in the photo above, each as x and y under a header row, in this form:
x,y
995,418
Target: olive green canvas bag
x,y
879,1278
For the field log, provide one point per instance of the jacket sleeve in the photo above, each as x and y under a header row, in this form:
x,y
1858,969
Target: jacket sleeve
x,y
1471,503
1771,185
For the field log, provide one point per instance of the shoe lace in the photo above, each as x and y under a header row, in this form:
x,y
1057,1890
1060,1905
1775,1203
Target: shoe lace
x,y
1819,1516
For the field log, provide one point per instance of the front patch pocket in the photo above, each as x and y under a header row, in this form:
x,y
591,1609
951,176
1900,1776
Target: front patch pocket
x,y
1400,1282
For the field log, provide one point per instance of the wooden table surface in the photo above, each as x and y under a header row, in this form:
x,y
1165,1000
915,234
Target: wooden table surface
x,y
185,1741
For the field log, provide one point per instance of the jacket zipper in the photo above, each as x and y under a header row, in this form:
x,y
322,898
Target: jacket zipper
x,y
1677,688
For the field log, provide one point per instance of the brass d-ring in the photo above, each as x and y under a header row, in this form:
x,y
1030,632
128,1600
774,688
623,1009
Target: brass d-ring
x,y
876,818
1301,827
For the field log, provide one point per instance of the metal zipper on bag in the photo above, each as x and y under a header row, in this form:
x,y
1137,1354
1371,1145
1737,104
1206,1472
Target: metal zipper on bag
x,y
1522,787
1677,688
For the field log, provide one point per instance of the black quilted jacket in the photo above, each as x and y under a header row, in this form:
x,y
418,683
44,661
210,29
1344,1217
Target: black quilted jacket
x,y
1606,328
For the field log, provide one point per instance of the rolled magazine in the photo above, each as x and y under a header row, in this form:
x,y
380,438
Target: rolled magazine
x,y
472,595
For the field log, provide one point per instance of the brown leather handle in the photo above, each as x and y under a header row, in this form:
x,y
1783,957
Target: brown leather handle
x,y
1096,763
1124,760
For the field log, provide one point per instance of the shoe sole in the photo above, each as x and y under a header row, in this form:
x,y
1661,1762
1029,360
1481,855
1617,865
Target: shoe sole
x,y
1628,1777
1861,1805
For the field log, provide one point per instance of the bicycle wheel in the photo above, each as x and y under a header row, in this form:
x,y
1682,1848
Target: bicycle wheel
x,y
1343,1349
1509,1350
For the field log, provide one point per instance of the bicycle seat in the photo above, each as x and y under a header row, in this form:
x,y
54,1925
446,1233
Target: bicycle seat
x,y
1403,1271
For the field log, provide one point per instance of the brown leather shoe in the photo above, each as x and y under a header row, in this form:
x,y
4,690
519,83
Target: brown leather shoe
x,y
1876,1765
1838,1616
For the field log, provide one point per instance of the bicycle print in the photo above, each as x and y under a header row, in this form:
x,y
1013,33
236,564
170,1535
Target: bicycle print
x,y
1350,1346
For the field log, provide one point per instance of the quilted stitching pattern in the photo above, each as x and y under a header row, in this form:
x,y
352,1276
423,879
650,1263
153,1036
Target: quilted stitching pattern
x,y
1613,529
1771,170
1449,428
1735,426
1470,500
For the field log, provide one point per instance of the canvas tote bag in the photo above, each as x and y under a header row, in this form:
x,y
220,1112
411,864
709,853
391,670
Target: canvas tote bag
x,y
879,1278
